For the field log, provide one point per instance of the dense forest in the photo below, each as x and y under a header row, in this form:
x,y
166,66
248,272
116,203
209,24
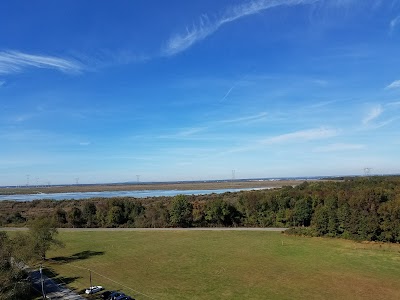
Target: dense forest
x,y
365,208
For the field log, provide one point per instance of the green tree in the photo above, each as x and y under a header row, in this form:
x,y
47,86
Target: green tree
x,y
302,212
12,279
60,217
115,216
180,212
320,220
75,217
220,213
43,232
155,216
89,213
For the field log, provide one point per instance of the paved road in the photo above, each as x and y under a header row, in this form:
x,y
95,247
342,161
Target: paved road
x,y
52,289
157,229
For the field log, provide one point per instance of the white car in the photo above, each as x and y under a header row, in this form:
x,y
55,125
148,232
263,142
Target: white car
x,y
93,289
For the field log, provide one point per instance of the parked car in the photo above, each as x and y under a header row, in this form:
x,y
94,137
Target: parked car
x,y
124,297
105,295
115,295
93,289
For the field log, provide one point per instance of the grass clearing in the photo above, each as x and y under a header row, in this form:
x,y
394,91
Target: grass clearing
x,y
229,265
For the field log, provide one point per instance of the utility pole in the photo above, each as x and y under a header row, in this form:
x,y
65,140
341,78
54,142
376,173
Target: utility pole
x,y
90,278
41,280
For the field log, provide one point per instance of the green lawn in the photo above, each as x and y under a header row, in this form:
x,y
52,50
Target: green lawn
x,y
230,265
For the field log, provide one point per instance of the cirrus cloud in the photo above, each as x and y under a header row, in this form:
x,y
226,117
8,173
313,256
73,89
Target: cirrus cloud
x,y
15,62
304,135
394,85
206,26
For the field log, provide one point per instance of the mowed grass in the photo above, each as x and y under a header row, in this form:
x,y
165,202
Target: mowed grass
x,y
230,265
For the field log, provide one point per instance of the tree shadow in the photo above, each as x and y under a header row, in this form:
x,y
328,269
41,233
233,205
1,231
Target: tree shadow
x,y
54,281
77,256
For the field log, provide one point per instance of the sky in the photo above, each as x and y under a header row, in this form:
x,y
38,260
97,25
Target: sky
x,y
153,90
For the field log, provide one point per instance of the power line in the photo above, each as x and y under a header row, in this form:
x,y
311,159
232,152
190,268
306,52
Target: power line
x,y
83,268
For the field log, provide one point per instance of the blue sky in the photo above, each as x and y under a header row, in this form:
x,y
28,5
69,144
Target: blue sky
x,y
191,90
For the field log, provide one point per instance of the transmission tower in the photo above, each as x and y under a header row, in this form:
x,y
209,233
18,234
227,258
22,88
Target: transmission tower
x,y
233,174
27,179
367,171
77,180
138,178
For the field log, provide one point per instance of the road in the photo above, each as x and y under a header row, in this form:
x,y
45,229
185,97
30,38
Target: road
x,y
156,229
52,289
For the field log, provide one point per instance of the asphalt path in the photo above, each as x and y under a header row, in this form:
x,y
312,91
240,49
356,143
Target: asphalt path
x,y
157,229
52,289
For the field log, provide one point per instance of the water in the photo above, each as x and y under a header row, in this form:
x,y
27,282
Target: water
x,y
111,194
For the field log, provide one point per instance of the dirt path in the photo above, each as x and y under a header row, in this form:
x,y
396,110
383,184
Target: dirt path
x,y
156,229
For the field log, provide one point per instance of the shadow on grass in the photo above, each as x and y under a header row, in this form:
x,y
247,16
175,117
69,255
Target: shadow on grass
x,y
56,278
77,256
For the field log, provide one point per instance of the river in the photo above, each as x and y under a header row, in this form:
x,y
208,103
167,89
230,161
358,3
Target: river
x,y
111,194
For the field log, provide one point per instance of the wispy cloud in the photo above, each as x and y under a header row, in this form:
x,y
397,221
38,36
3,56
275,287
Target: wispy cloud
x,y
373,113
257,117
227,94
339,147
394,85
393,23
396,103
207,26
297,136
184,133
15,62
322,104
303,135
378,116
2,82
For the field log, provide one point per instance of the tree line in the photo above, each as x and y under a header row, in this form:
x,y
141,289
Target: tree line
x,y
365,208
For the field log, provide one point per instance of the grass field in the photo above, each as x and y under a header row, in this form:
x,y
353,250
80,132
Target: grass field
x,y
229,265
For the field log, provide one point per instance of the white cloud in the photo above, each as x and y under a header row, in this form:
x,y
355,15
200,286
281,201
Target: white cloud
x,y
257,117
2,82
206,26
184,133
84,143
374,113
303,135
394,23
15,61
227,94
394,85
396,103
339,147
191,131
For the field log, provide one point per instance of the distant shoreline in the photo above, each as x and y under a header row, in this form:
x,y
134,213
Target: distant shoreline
x,y
215,185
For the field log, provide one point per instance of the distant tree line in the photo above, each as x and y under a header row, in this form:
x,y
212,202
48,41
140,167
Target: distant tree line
x,y
356,208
